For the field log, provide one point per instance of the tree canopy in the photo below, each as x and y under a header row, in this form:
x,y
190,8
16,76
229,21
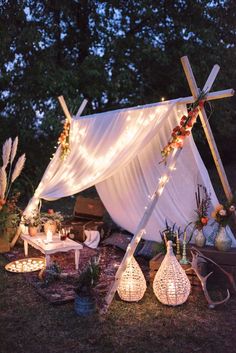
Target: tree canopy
x,y
114,53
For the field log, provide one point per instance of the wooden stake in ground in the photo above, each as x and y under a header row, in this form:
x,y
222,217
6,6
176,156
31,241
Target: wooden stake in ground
x,y
160,186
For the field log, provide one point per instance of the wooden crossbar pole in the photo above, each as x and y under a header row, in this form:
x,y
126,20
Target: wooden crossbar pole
x,y
81,108
64,108
209,97
206,126
141,228
211,78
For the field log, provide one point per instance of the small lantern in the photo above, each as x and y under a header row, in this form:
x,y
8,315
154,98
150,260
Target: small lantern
x,y
171,284
132,285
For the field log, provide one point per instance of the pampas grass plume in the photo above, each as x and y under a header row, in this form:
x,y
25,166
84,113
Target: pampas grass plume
x,y
6,151
3,182
14,149
18,168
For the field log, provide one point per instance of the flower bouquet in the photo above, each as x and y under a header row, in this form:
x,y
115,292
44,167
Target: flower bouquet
x,y
203,200
33,220
222,215
51,220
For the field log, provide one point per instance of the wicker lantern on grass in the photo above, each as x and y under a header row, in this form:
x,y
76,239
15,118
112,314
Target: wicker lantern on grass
x,y
171,284
132,285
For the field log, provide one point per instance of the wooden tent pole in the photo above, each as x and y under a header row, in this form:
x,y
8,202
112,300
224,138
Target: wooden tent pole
x,y
141,228
210,96
64,108
205,124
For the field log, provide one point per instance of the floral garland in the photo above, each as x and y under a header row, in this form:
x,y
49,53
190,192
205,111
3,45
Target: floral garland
x,y
64,140
182,130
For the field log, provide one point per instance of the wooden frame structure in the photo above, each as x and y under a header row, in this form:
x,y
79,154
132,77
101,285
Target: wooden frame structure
x,y
171,165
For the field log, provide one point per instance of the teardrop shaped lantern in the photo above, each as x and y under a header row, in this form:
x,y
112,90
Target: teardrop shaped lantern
x,y
171,284
132,285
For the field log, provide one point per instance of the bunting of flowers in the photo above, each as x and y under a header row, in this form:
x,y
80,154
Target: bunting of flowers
x,y
181,131
64,140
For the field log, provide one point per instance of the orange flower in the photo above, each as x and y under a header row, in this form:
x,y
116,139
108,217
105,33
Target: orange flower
x,y
204,220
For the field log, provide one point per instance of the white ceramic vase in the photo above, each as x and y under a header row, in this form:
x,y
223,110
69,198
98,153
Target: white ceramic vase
x,y
200,239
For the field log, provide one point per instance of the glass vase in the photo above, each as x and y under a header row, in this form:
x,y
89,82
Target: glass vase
x,y
222,240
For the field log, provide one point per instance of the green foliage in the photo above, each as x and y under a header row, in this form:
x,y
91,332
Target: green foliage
x,y
114,53
88,278
170,233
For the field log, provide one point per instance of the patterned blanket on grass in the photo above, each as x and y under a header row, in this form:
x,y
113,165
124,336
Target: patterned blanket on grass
x,y
61,290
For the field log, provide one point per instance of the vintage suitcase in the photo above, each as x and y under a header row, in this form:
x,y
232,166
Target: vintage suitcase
x,y
88,214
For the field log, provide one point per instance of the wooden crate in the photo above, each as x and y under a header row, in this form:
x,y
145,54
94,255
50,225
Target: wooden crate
x,y
155,263
87,215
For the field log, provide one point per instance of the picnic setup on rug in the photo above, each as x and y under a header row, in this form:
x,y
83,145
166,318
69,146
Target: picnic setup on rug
x,y
168,228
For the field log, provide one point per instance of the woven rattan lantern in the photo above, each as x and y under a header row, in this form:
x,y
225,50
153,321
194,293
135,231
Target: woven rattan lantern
x,y
132,285
171,284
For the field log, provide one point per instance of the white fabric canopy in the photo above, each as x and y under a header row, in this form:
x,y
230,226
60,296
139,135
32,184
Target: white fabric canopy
x,y
119,152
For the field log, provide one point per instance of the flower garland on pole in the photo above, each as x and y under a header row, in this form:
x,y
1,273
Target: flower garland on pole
x,y
64,139
184,128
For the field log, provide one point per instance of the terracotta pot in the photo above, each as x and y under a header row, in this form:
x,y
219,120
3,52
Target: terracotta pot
x,y
32,231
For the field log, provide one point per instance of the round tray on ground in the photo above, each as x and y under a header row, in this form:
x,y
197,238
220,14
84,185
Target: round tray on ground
x,y
26,265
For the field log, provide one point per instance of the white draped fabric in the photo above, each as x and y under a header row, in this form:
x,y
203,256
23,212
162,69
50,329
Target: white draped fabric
x,y
119,152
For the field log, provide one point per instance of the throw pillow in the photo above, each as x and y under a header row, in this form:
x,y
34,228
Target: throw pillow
x,y
150,249
121,241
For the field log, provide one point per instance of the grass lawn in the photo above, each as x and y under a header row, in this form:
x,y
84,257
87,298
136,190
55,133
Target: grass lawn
x,y
29,324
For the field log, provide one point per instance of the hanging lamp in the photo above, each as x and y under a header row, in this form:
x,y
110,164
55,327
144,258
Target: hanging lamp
x,y
171,284
132,285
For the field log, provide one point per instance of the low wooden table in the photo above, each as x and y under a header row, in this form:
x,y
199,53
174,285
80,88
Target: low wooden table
x,y
40,242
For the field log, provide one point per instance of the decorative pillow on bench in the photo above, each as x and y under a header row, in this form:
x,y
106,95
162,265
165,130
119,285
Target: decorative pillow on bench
x,y
150,249
121,241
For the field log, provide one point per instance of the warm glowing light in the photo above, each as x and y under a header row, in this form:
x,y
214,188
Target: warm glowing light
x,y
132,285
171,284
172,167
26,265
162,99
49,236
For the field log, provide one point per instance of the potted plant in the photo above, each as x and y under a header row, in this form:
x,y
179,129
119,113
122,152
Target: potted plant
x,y
51,220
32,222
85,299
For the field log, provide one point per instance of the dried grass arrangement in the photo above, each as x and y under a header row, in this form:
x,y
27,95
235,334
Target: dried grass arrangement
x,y
9,212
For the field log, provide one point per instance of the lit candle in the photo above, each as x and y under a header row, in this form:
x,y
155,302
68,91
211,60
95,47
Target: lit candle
x,y
185,235
49,236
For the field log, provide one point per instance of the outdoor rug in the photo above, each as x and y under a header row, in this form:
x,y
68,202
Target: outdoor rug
x,y
61,290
